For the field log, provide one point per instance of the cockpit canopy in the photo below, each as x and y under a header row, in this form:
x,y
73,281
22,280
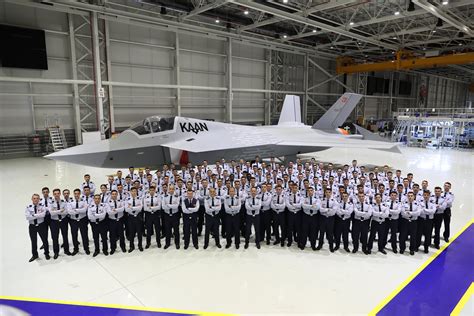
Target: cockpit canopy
x,y
153,124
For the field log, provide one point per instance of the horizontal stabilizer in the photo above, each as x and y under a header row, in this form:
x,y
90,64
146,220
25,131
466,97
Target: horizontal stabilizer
x,y
291,112
393,149
368,135
338,112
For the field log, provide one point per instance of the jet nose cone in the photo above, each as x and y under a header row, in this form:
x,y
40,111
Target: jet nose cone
x,y
92,154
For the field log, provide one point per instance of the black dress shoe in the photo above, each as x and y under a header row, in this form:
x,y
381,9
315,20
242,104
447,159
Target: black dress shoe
x,y
282,244
426,250
258,246
56,255
276,242
446,239
314,248
67,253
383,251
354,250
140,248
42,247
268,242
246,245
112,251
197,246
218,246
394,250
288,244
105,252
369,252
205,246
237,246
177,246
47,256
436,246
123,249
159,245
147,246
412,252
131,249
167,246
87,251
74,252
96,253
402,252
186,247
331,249
319,247
227,246
336,248
347,249
33,258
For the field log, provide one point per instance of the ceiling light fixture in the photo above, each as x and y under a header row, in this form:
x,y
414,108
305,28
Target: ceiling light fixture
x,y
314,31
246,12
285,36
445,2
351,23
397,12
217,21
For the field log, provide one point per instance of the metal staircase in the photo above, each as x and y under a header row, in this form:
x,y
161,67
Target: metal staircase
x,y
57,137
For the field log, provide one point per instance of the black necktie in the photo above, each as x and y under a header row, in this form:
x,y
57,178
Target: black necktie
x,y
204,191
46,202
294,198
310,200
171,198
232,201
278,199
253,201
437,198
344,206
97,209
362,206
103,195
77,206
426,204
115,203
327,204
380,209
411,207
212,201
120,195
59,208
152,200
36,221
133,202
399,198
391,205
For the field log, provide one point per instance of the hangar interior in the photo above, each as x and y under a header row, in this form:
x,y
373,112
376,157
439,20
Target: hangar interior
x,y
231,61
110,63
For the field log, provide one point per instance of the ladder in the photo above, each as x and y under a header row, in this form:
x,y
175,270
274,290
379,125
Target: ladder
x,y
57,137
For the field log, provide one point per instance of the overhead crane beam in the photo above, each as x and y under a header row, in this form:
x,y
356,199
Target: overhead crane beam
x,y
345,65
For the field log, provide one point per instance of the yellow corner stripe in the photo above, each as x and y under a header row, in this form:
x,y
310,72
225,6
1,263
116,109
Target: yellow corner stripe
x,y
118,306
464,299
381,305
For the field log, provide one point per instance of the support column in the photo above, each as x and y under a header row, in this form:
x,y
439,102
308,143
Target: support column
x,y
230,94
75,93
109,76
268,82
97,74
177,74
305,89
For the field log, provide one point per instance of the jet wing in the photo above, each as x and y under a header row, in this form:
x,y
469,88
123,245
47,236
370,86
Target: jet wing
x,y
225,139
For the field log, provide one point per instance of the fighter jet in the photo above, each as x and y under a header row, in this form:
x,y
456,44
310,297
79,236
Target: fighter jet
x,y
162,140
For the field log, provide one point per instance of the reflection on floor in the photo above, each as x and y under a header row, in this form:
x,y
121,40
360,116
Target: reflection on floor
x,y
272,280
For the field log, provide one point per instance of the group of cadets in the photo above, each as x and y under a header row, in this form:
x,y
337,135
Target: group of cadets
x,y
297,203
